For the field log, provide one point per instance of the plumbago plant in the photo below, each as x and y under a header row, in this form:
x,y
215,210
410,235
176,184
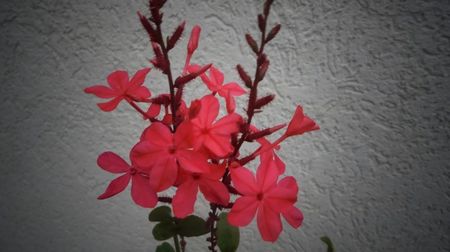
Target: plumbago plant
x,y
192,148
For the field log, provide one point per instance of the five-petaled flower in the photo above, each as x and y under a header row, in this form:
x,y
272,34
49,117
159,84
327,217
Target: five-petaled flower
x,y
120,87
162,152
209,184
214,135
214,82
141,192
267,196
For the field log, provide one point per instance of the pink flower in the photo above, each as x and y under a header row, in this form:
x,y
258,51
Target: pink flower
x,y
215,83
208,183
162,152
214,135
267,196
300,123
141,193
120,87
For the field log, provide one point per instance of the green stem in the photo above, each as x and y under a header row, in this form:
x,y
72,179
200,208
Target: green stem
x,y
177,244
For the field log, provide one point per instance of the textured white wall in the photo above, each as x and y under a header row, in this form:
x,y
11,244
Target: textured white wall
x,y
374,74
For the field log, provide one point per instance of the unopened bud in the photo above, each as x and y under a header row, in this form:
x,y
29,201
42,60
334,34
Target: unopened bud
x,y
261,102
261,22
244,76
273,32
193,40
252,43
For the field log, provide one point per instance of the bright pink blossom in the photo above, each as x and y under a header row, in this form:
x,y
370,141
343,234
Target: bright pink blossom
x,y
214,82
209,184
141,192
120,87
161,152
300,123
214,135
266,196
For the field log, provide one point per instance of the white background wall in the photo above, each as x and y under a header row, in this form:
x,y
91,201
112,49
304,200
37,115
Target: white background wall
x,y
374,74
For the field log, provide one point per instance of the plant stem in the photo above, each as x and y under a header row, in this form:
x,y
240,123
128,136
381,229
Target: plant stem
x,y
213,236
138,109
169,76
177,245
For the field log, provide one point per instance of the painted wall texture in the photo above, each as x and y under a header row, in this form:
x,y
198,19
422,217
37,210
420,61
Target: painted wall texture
x,y
374,74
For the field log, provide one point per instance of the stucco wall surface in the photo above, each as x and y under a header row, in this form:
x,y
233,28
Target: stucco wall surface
x,y
374,74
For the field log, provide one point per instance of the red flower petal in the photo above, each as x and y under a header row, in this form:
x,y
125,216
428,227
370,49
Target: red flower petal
x,y
111,162
118,80
141,192
100,91
219,145
208,112
234,89
215,191
145,154
216,76
227,125
116,186
243,211
138,78
184,199
111,105
192,161
269,223
244,181
293,216
266,174
139,93
158,134
163,174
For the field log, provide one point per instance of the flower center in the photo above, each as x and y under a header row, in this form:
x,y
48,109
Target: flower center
x,y
133,171
172,149
205,131
195,176
260,196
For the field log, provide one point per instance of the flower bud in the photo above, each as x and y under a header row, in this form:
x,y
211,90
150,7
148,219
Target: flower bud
x,y
244,76
193,40
252,43
273,32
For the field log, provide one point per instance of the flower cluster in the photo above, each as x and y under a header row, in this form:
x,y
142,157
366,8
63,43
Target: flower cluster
x,y
193,147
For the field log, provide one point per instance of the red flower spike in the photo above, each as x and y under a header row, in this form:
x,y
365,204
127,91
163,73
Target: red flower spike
x,y
121,88
162,152
214,135
214,82
208,183
264,194
300,124
141,192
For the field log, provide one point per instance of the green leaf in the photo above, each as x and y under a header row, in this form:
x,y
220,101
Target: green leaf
x,y
227,235
165,247
164,230
161,213
327,241
192,226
